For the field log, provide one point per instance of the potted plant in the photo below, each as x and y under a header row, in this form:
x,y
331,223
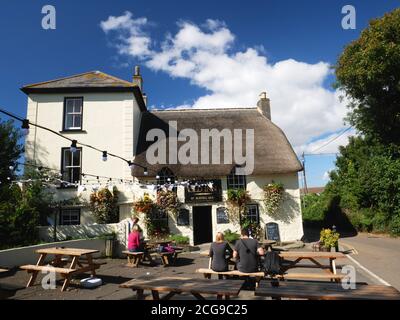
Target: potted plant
x,y
328,239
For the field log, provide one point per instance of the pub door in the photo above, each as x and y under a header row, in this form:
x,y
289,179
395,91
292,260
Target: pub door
x,y
202,224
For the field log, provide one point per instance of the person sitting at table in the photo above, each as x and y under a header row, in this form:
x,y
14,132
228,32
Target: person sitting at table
x,y
134,221
247,252
134,242
220,253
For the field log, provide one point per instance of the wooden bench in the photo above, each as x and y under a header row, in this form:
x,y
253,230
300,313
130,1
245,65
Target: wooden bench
x,y
134,258
312,276
169,258
208,272
32,268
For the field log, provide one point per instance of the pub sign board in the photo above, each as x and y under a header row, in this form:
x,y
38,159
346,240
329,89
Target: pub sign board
x,y
203,191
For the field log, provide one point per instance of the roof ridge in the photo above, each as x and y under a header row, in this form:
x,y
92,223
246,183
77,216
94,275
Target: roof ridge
x,y
75,76
202,109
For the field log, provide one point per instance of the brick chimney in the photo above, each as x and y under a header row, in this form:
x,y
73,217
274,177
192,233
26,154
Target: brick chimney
x,y
138,80
263,105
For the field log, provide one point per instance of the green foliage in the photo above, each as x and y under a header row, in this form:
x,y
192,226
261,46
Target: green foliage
x,y
23,209
314,208
236,204
230,236
329,238
253,227
369,73
104,205
179,239
10,151
273,197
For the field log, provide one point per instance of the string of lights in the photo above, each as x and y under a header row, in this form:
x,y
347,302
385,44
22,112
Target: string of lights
x,y
87,178
25,125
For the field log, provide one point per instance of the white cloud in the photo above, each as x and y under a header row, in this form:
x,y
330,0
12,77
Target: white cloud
x,y
204,55
328,144
326,176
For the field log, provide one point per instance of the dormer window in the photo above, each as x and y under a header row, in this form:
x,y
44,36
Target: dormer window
x,y
73,110
235,181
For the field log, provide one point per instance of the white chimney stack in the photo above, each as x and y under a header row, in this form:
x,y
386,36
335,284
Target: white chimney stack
x,y
263,105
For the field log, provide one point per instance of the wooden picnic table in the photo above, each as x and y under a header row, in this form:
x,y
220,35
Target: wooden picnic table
x,y
311,256
267,244
325,291
57,264
177,285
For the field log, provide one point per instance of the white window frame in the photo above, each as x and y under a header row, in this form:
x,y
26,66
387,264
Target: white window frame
x,y
72,114
72,166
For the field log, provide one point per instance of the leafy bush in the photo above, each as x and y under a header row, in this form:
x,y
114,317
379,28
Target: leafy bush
x,y
230,236
179,239
314,208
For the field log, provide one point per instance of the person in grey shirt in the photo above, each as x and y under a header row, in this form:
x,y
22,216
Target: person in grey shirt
x,y
247,252
220,252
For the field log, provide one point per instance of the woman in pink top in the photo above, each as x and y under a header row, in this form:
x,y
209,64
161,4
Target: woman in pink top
x,y
134,244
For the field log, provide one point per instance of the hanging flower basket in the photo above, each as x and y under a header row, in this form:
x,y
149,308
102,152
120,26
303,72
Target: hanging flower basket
x,y
168,200
273,196
144,205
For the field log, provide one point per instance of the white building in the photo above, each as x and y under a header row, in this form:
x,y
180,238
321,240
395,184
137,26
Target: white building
x,y
110,114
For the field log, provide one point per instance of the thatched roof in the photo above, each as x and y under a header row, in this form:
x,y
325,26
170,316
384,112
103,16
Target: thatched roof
x,y
273,152
93,81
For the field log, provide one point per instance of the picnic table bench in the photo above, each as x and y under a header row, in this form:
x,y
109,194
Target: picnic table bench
x,y
325,291
167,258
77,265
177,285
311,256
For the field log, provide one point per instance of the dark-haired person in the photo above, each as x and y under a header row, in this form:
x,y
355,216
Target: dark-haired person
x,y
247,253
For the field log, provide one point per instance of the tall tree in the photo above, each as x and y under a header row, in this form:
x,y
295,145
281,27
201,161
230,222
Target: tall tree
x,y
369,73
10,151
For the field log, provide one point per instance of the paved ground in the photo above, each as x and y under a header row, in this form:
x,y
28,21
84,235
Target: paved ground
x,y
379,254
115,272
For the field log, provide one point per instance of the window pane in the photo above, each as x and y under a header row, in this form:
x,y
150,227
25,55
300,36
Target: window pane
x,y
67,158
70,105
77,121
76,161
76,172
78,106
183,217
69,121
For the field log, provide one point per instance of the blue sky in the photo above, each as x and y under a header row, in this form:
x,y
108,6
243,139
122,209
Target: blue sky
x,y
307,32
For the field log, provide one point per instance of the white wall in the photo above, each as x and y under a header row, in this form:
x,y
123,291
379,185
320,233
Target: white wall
x,y
111,122
288,217
26,255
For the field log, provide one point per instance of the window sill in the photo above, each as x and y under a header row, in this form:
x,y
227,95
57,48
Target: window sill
x,y
73,131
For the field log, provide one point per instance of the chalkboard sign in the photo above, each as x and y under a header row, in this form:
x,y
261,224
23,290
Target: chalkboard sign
x,y
272,232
